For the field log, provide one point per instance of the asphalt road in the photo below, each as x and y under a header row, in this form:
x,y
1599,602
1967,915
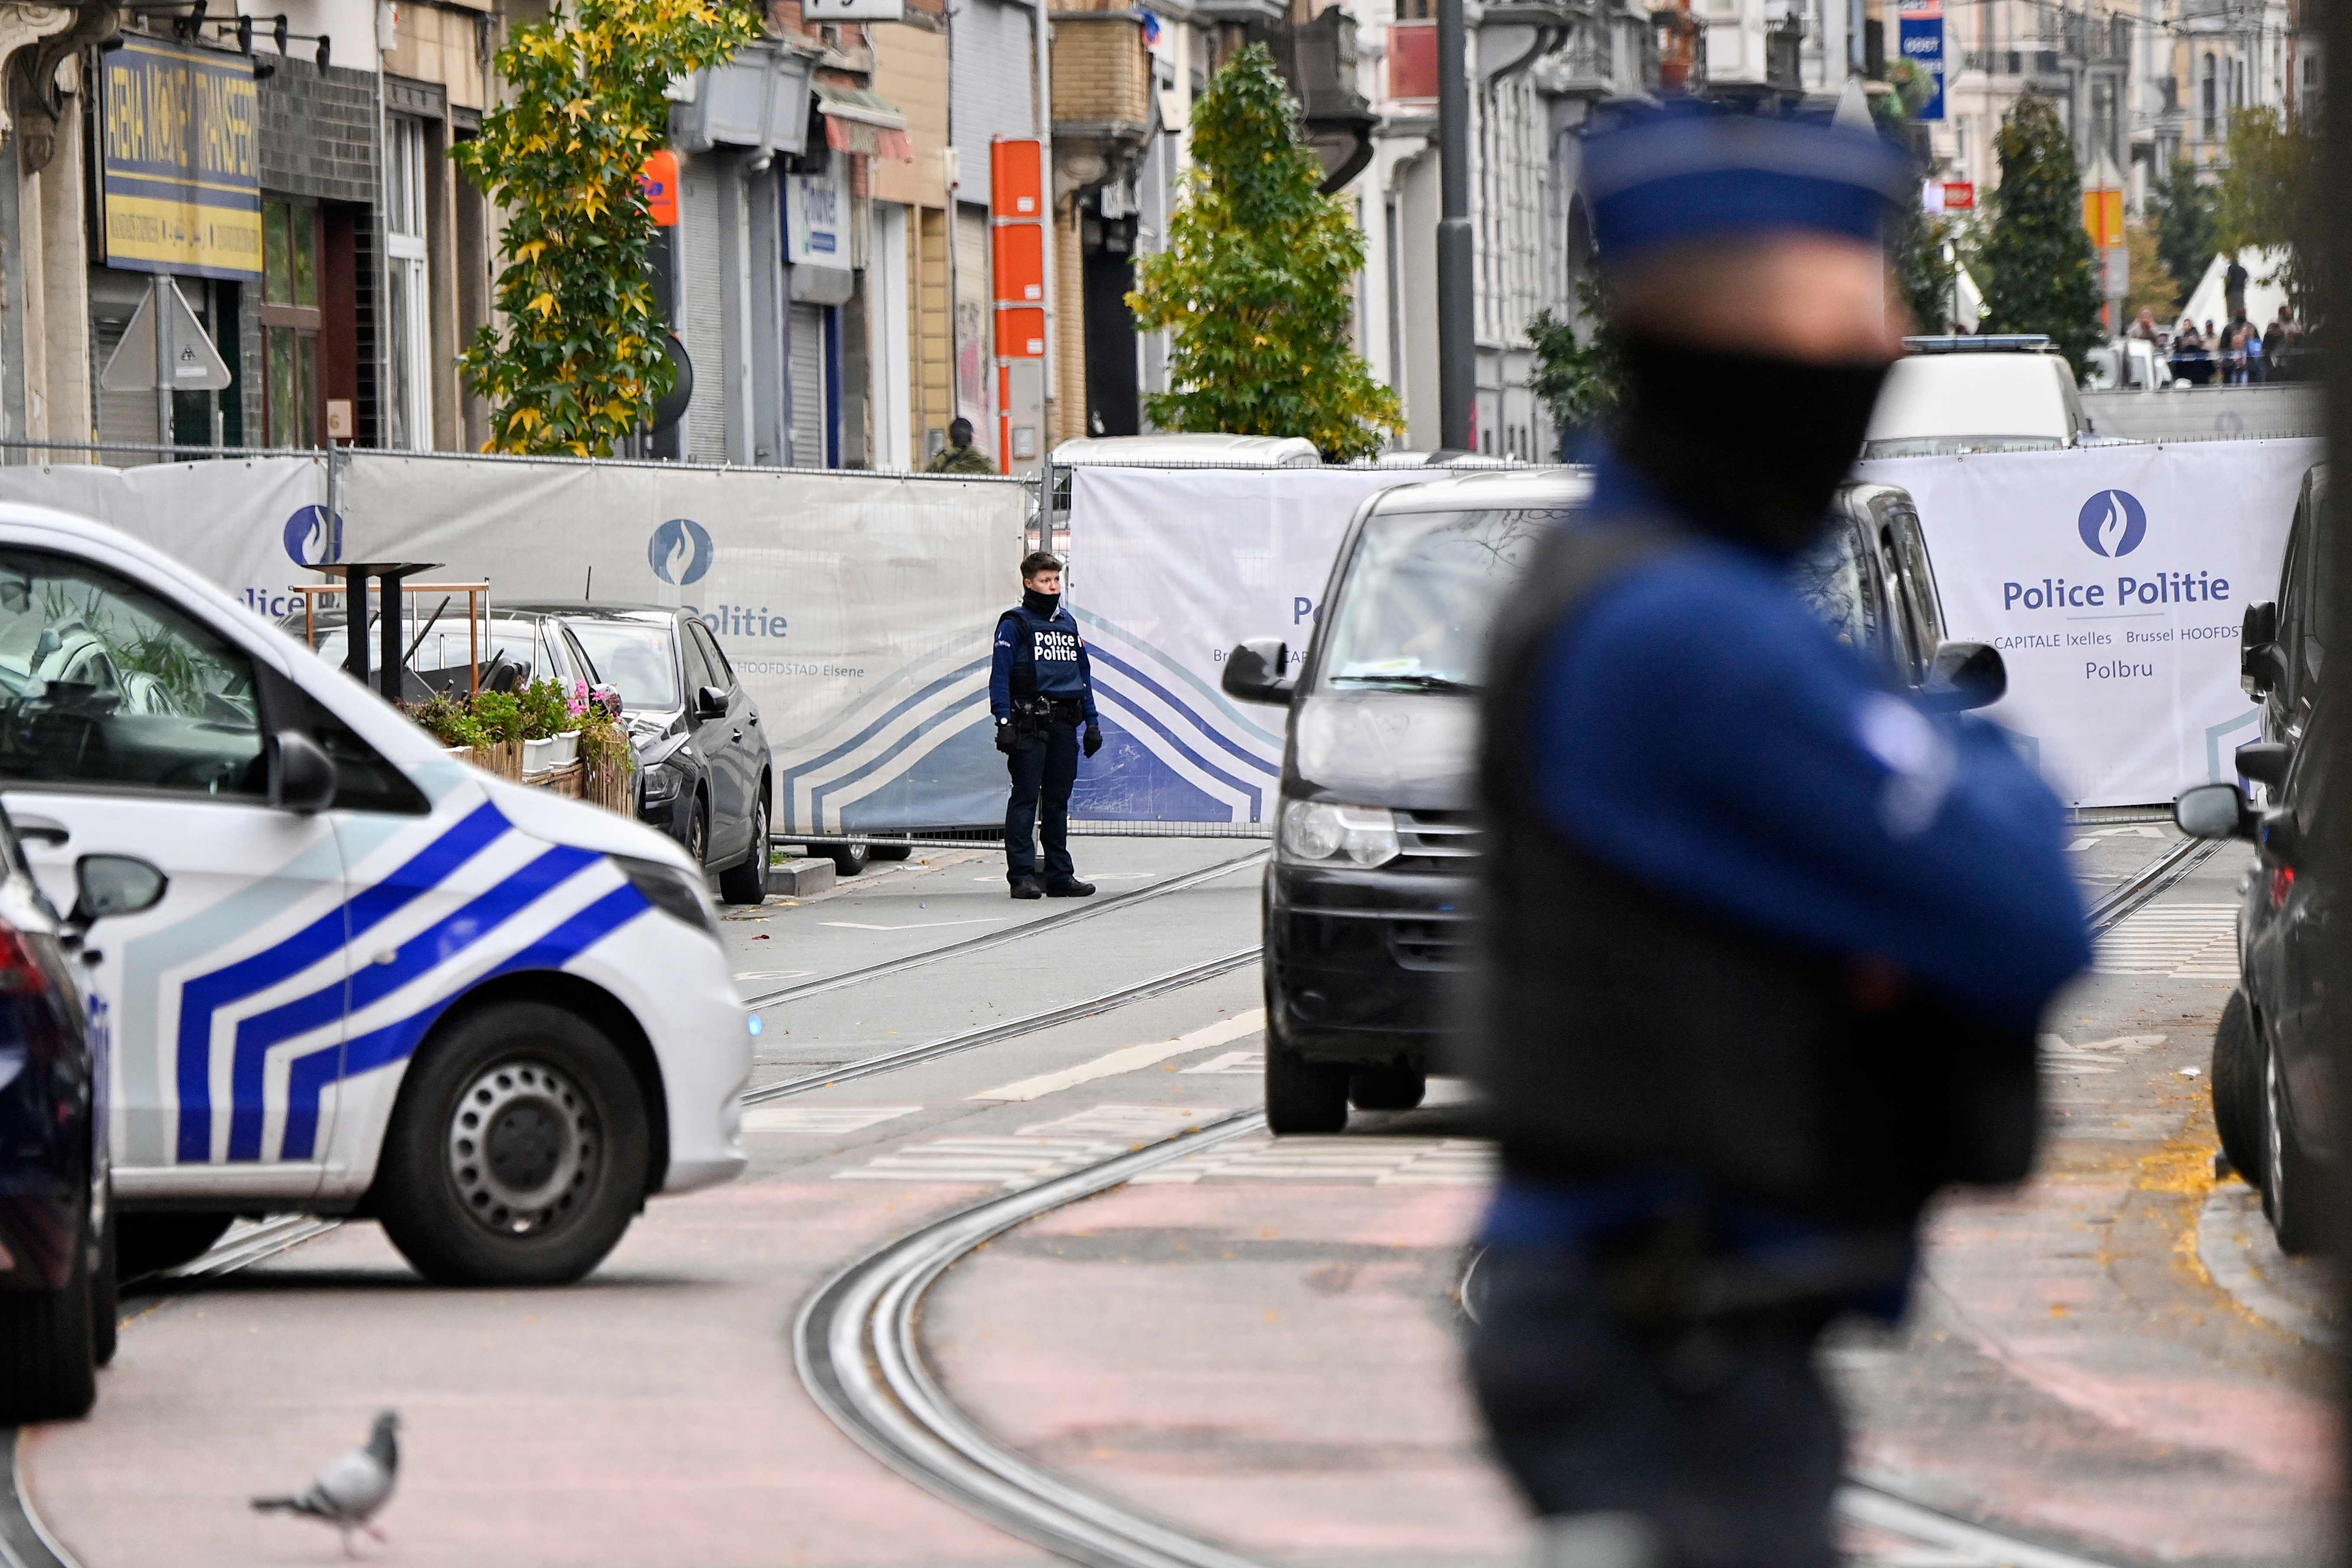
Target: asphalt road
x,y
1258,1344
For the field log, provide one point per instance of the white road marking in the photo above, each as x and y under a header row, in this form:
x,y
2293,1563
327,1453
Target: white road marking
x,y
2092,1055
1382,1162
772,974
2179,941
2092,837
1127,1058
915,925
1249,1063
821,1119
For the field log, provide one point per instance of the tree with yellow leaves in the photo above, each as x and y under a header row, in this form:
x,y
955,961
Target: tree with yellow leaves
x,y
575,361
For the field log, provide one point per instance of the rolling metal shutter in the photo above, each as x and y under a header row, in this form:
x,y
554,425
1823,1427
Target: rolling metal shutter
x,y
807,372
990,77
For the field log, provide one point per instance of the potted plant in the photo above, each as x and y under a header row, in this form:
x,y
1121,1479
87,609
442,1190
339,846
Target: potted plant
x,y
550,733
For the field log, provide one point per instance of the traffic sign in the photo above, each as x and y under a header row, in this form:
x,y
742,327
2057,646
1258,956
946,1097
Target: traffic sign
x,y
1959,195
191,363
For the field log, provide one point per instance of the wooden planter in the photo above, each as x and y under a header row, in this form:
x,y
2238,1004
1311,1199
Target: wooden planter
x,y
578,780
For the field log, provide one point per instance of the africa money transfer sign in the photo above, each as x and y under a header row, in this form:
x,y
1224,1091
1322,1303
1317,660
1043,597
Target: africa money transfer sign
x,y
180,181
2113,581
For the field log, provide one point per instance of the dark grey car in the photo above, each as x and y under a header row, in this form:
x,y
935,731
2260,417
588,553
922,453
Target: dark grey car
x,y
704,774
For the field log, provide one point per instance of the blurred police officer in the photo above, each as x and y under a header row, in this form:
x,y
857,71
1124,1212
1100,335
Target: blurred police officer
x,y
1041,689
1765,945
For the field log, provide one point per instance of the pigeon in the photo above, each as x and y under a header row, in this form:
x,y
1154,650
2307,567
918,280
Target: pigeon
x,y
348,1492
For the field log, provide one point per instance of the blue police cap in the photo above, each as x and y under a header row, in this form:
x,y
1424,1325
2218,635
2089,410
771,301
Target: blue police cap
x,y
1689,171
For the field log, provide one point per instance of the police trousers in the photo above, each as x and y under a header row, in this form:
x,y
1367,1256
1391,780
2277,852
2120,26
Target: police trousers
x,y
1044,766
1650,1447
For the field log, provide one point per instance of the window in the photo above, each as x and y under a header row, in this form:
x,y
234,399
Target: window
x,y
290,324
102,683
2207,104
408,325
698,673
721,672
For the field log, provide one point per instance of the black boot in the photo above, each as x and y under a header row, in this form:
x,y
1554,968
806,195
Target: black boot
x,y
1029,888
1069,888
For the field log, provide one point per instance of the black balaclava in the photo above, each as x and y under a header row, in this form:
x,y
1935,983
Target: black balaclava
x,y
1041,605
1751,445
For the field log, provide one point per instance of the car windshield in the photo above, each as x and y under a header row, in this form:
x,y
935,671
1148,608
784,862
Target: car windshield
x,y
1946,445
445,643
1420,595
635,657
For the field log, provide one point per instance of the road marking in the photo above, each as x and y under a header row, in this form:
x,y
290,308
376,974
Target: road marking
x,y
2092,1055
821,1119
1247,1064
2088,839
917,925
1127,1058
2179,941
770,974
1040,1149
1382,1162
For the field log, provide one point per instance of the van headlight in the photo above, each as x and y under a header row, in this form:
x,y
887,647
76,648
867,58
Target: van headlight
x,y
1319,833
676,892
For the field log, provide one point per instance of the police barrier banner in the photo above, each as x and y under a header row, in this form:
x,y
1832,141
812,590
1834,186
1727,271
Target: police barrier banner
x,y
1168,569
248,524
2113,580
858,610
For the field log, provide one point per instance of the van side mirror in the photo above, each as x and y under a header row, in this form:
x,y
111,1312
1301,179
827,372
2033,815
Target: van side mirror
x,y
2214,811
2265,762
1253,671
2260,671
1963,676
303,780
107,885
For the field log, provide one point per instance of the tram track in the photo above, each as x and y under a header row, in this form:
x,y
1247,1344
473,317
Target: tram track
x,y
2135,891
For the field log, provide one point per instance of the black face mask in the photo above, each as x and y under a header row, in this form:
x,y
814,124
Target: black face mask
x,y
1753,446
1041,606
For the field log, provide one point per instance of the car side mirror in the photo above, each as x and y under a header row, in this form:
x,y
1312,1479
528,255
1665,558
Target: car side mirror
x,y
2214,811
2265,762
710,702
304,779
1253,671
2259,670
606,695
1963,676
110,884
2260,627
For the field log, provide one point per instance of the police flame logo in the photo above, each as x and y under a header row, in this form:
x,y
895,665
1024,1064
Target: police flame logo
x,y
2112,523
679,550
314,537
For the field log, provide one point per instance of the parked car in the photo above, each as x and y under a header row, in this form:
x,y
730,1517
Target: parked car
x,y
1367,900
58,1234
704,776
2270,1073
374,979
1987,394
508,648
2281,641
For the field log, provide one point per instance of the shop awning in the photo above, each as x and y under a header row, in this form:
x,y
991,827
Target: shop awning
x,y
858,120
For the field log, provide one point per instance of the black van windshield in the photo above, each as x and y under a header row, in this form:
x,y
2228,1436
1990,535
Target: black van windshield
x,y
1420,596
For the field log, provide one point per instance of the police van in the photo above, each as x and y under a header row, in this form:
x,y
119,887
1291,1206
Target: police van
x,y
377,981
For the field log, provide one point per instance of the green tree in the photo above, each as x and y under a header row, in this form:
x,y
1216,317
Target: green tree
x,y
1578,384
2041,274
1257,284
575,358
2153,286
2187,236
2264,194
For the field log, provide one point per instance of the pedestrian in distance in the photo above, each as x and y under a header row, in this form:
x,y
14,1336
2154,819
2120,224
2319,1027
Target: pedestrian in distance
x,y
1041,689
959,456
1755,981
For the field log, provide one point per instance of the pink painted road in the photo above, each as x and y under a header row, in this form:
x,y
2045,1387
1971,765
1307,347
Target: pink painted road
x,y
1258,1343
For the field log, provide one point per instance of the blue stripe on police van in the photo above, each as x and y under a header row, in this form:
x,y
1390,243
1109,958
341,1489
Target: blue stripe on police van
x,y
368,983
207,995
308,1077
1112,661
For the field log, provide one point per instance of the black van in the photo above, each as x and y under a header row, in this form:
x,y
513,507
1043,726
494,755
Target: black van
x,y
1367,900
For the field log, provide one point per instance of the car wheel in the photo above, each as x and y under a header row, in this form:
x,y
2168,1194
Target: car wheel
x,y
105,1292
698,834
890,851
48,1363
849,859
2238,1089
1302,1096
516,1153
1387,1089
748,883
2290,1188
149,1243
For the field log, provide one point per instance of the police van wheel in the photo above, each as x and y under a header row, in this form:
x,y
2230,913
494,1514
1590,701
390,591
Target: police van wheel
x,y
748,883
1387,1089
890,851
2237,1080
49,1361
849,859
516,1153
1303,1096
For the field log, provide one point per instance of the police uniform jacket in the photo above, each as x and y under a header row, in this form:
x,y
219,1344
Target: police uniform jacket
x,y
1041,655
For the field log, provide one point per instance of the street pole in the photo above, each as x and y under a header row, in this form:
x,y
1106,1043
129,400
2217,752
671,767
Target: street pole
x,y
1457,351
162,326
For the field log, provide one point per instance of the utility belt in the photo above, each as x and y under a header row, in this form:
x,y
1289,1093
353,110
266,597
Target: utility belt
x,y
1034,715
1672,1275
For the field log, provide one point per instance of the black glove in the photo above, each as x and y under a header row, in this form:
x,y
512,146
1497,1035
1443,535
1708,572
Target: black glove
x,y
1005,740
1094,737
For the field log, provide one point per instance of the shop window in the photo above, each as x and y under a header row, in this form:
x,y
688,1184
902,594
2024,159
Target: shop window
x,y
290,324
407,317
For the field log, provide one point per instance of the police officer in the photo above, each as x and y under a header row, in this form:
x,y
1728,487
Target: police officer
x,y
1041,689
1764,943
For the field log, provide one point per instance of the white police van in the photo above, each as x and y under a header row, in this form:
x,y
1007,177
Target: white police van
x,y
378,982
